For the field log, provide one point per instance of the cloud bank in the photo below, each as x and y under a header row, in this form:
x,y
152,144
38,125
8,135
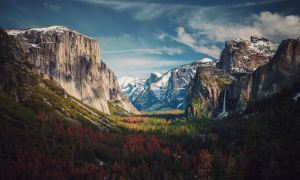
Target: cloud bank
x,y
211,23
270,25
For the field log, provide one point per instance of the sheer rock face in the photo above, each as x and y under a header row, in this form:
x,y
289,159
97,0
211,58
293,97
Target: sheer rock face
x,y
73,60
207,86
243,56
262,75
281,72
16,73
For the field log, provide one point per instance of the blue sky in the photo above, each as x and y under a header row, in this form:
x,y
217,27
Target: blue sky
x,y
142,36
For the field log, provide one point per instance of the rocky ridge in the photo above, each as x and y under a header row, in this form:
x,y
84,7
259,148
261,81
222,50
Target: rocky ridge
x,y
262,74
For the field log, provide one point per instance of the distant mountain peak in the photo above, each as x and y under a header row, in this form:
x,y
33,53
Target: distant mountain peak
x,y
205,60
126,80
157,74
166,91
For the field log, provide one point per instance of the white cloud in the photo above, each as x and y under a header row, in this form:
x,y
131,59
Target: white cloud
x,y
211,23
215,22
184,37
270,25
161,36
52,7
208,25
139,66
140,10
198,45
149,10
277,27
164,50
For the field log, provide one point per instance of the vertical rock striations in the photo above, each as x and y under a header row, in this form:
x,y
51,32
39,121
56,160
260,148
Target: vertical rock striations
x,y
73,60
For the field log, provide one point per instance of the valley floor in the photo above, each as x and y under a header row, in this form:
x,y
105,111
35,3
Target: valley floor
x,y
261,143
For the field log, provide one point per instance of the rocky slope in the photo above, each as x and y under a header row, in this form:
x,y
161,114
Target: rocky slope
x,y
167,91
34,96
73,60
259,75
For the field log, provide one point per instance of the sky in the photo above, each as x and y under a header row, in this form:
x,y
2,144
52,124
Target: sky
x,y
138,37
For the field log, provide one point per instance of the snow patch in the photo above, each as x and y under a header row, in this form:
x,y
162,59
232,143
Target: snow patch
x,y
157,74
43,30
179,105
205,60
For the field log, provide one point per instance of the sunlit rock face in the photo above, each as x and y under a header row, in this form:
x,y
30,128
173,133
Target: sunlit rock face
x,y
73,60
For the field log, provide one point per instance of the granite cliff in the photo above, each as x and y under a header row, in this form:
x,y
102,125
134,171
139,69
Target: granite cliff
x,y
247,71
73,60
282,71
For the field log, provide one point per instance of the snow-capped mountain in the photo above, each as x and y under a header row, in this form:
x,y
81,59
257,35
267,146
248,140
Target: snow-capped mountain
x,y
167,91
132,86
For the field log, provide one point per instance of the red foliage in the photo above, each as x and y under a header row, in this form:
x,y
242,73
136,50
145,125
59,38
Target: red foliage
x,y
205,165
43,116
119,168
36,165
166,152
154,144
84,135
134,144
144,169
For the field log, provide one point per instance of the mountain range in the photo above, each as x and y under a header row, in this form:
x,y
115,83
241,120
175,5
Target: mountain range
x,y
162,92
174,89
247,70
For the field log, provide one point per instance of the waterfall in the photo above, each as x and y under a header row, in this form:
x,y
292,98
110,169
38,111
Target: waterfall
x,y
223,113
224,103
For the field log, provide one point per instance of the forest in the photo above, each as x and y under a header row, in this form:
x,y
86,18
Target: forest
x,y
263,142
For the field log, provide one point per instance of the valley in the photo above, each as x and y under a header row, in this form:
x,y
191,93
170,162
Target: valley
x,y
39,144
64,115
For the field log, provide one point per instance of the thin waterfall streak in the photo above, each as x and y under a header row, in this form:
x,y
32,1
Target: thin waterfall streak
x,y
224,103
223,113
